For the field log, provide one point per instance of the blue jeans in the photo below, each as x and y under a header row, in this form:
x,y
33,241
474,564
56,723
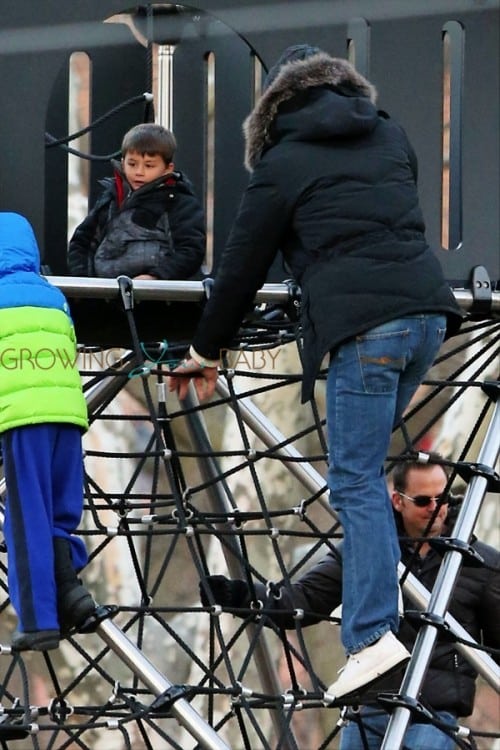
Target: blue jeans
x,y
417,737
370,382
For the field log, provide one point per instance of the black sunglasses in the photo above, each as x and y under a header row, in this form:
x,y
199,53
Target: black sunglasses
x,y
422,501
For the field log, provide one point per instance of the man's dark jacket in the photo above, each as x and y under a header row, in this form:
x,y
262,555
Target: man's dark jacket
x,y
158,229
450,681
333,186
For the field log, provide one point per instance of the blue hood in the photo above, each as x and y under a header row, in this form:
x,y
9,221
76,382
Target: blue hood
x,y
20,282
18,246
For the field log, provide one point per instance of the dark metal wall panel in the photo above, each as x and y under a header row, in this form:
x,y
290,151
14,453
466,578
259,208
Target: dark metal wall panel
x,y
119,73
401,45
26,85
481,143
111,83
56,175
232,101
406,67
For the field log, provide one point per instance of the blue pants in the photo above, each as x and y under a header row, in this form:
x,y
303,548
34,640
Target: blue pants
x,y
417,737
370,382
43,468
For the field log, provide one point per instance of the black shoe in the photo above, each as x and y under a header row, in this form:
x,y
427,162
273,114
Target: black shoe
x,y
35,640
74,603
74,607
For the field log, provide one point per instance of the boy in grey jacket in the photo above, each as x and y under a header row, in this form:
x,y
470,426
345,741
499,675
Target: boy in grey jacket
x,y
148,223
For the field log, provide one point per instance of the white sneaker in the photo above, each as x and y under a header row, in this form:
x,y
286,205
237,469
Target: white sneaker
x,y
367,665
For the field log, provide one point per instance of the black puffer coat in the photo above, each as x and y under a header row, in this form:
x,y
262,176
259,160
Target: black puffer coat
x,y
334,188
450,681
158,229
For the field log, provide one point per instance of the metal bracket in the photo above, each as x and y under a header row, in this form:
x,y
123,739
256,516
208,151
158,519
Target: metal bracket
x,y
165,701
207,284
480,283
126,288
419,618
101,613
390,701
468,470
492,389
294,299
449,544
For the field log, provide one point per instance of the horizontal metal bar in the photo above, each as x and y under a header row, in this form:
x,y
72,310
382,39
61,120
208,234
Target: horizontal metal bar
x,y
194,291
162,291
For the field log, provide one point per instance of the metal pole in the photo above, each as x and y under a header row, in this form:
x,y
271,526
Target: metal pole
x,y
77,287
266,431
443,587
209,469
194,291
158,684
104,390
165,85
219,501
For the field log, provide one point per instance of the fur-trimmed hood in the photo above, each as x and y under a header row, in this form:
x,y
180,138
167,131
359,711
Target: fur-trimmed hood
x,y
294,78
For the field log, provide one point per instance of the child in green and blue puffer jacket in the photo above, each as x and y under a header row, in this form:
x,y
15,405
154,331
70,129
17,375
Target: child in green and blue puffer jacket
x,y
42,416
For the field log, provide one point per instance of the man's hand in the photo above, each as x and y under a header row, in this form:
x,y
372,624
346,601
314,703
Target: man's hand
x,y
189,369
225,591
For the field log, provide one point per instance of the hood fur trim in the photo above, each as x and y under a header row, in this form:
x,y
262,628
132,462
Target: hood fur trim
x,y
296,76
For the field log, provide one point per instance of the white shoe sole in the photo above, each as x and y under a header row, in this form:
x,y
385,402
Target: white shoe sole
x,y
366,680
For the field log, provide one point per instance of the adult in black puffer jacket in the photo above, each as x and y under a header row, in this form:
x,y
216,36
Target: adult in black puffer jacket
x,y
334,188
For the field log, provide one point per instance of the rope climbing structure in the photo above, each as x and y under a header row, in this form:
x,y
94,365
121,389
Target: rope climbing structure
x,y
175,492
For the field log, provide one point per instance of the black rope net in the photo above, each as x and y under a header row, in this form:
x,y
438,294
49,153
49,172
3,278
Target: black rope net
x,y
175,492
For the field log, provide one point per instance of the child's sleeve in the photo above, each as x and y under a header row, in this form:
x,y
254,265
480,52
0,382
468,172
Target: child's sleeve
x,y
82,246
187,226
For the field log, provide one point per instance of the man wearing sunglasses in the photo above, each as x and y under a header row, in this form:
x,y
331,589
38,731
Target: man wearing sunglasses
x,y
421,511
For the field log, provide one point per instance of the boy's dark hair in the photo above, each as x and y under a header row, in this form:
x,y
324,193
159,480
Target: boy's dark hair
x,y
150,138
400,471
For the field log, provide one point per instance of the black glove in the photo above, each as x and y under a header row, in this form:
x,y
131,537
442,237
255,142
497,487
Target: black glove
x,y
225,591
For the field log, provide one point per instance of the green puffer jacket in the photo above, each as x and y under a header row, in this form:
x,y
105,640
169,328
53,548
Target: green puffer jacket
x,y
39,378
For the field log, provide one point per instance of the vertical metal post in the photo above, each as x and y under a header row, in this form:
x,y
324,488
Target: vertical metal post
x,y
165,109
443,587
479,660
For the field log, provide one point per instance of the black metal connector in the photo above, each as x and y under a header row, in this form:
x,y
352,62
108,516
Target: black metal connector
x,y
126,287
166,700
468,470
480,283
101,613
418,618
449,544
